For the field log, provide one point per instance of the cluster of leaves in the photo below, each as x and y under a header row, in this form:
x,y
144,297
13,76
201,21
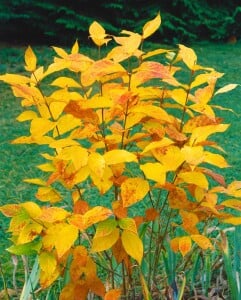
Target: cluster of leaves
x,y
62,21
131,129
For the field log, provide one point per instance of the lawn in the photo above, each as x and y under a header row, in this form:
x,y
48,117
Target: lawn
x,y
18,161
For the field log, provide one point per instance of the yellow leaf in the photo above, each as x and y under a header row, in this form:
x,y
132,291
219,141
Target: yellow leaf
x,y
102,243
226,88
152,111
129,43
61,52
200,134
46,280
99,102
232,203
185,244
62,143
232,220
158,144
61,236
75,48
117,54
66,123
96,163
154,52
196,178
128,224
40,140
30,60
132,245
47,193
205,78
133,190
202,241
97,34
151,26
154,171
99,69
215,159
53,214
36,181
26,116
179,96
95,215
47,263
65,82
193,155
105,182
40,126
105,227
77,154
31,94
188,56
29,232
171,158
119,156
32,208
14,79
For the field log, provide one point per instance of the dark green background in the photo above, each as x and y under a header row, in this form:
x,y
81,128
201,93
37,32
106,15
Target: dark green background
x,y
62,21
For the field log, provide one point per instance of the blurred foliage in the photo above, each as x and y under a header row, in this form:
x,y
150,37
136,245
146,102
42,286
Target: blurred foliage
x,y
62,21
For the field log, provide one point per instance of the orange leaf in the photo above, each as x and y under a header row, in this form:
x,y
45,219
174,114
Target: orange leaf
x,y
190,221
113,294
118,209
151,214
10,210
80,207
133,190
202,241
174,243
185,244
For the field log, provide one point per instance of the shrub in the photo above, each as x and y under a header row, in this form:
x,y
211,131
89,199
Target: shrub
x,y
129,138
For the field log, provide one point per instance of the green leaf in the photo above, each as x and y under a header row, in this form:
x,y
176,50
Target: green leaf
x,y
26,249
128,224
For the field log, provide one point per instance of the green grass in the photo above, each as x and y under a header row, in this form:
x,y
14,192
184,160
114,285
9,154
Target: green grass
x,y
18,161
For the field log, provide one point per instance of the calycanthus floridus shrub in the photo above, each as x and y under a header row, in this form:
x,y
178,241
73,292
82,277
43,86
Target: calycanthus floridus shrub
x,y
133,136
